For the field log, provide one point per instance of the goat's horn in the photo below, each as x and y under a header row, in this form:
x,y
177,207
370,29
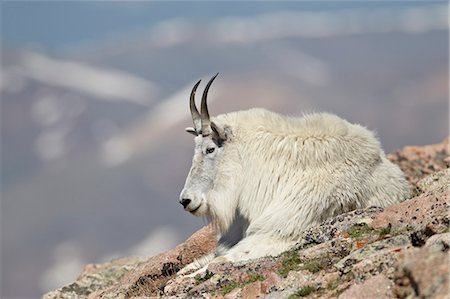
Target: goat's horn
x,y
196,119
206,123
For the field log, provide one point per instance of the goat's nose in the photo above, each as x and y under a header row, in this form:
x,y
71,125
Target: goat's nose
x,y
185,202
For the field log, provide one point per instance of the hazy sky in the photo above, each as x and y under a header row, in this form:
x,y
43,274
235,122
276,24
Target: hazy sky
x,y
59,25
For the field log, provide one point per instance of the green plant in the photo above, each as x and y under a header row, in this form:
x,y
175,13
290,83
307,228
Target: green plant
x,y
385,231
358,230
290,262
229,287
312,266
303,292
254,278
333,285
201,279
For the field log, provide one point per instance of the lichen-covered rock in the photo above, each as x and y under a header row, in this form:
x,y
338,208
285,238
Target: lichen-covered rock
x,y
334,249
439,242
337,226
435,181
375,258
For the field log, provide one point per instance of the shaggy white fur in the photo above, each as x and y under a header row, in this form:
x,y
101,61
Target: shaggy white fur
x,y
269,177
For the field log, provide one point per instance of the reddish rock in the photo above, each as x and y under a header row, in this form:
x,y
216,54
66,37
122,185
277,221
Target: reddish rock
x,y
271,281
236,293
330,278
378,257
428,209
420,161
96,277
242,271
424,273
149,278
179,285
297,279
336,248
252,291
376,287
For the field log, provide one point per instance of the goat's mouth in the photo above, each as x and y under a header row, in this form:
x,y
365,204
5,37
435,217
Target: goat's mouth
x,y
195,210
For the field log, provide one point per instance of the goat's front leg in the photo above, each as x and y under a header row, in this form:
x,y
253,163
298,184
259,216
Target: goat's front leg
x,y
251,247
197,264
257,246
202,271
200,265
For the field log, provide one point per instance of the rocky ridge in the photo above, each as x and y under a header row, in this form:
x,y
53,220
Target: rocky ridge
x,y
399,252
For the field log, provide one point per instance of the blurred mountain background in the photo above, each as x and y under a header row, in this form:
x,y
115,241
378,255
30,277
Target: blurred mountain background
x,y
94,102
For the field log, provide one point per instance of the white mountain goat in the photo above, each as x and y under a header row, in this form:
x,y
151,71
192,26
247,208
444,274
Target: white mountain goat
x,y
263,178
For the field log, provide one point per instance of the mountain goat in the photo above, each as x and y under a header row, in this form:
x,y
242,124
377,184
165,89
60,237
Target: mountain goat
x,y
262,178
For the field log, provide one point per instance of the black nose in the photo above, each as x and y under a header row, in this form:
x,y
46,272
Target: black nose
x,y
185,202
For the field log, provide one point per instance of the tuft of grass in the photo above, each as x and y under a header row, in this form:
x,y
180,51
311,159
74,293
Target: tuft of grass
x,y
303,292
201,279
333,285
290,262
254,278
359,230
312,266
385,231
234,284
229,287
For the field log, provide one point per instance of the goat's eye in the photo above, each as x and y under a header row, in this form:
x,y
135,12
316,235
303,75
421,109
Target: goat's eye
x,y
210,150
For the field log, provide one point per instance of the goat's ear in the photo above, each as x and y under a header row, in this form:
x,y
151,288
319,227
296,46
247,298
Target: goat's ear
x,y
219,134
191,130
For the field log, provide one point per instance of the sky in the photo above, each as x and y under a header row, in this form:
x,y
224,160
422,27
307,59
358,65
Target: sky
x,y
33,22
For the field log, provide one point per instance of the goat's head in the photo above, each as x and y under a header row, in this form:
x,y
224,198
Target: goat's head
x,y
209,141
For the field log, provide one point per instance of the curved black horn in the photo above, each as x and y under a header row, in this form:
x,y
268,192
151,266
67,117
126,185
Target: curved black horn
x,y
206,123
196,119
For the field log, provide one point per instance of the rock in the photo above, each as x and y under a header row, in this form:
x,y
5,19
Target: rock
x,y
179,285
150,277
428,209
439,242
337,226
96,277
329,278
435,182
375,258
420,161
252,291
236,293
115,280
241,271
376,287
334,249
270,283
424,273
297,280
